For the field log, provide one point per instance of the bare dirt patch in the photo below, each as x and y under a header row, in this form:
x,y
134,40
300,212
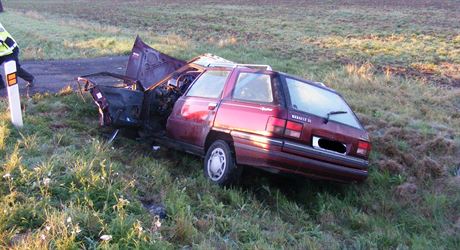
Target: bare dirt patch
x,y
444,75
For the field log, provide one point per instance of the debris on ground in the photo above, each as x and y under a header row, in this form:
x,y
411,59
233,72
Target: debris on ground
x,y
156,210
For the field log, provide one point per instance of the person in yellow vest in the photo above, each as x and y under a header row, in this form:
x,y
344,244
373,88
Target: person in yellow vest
x,y
9,50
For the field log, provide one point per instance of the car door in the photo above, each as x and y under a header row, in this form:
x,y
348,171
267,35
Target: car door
x,y
253,99
193,113
253,102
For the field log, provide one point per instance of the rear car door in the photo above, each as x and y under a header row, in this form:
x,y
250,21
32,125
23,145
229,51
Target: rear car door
x,y
252,104
193,113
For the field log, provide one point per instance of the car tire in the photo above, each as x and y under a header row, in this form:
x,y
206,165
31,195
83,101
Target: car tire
x,y
219,164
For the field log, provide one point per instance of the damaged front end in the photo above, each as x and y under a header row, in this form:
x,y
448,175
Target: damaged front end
x,y
122,105
118,107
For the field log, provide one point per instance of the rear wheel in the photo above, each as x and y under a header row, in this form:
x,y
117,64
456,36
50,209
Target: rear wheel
x,y
219,164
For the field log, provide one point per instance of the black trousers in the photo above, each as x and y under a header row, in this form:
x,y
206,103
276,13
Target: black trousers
x,y
19,70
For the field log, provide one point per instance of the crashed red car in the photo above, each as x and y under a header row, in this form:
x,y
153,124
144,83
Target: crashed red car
x,y
235,115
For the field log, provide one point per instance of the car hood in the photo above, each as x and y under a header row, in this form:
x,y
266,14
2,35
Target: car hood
x,y
148,65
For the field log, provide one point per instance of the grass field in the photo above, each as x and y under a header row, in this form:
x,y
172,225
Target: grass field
x,y
397,64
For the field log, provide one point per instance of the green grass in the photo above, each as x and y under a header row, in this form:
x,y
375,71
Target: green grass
x,y
59,166
421,37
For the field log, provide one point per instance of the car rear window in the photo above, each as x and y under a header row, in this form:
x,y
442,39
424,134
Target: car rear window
x,y
210,84
317,101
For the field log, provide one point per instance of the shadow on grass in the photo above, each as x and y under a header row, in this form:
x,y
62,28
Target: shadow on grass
x,y
299,189
262,184
271,190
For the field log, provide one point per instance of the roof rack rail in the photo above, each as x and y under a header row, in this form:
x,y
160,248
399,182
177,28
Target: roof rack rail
x,y
235,65
320,83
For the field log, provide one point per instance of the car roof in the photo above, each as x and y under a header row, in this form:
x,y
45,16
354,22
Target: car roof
x,y
209,60
213,61
206,60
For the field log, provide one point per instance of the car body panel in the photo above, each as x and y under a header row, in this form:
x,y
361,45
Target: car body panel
x,y
191,120
291,163
315,126
148,65
193,117
243,115
118,107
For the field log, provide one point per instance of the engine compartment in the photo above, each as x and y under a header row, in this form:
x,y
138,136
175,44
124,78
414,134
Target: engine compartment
x,y
159,101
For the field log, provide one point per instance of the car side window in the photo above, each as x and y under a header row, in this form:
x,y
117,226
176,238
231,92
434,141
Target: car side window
x,y
255,87
210,84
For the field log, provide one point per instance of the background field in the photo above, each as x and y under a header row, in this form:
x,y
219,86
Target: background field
x,y
397,64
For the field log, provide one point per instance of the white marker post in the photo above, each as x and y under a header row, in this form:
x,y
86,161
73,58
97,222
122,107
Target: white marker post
x,y
10,79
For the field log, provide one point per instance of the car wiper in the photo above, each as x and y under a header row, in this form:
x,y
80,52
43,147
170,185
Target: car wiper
x,y
326,120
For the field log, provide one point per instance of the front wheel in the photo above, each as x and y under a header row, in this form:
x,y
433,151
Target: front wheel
x,y
219,164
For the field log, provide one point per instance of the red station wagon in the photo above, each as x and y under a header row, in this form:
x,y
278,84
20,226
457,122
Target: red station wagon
x,y
235,115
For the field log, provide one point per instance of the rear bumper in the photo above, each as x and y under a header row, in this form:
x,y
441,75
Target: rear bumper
x,y
310,152
270,155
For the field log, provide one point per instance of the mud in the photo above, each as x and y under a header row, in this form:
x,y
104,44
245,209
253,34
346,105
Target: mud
x,y
449,78
391,166
406,191
445,80
428,168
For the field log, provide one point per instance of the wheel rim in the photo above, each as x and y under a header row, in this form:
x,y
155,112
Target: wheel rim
x,y
216,164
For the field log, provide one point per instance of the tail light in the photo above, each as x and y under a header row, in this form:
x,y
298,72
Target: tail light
x,y
364,148
293,129
281,126
275,125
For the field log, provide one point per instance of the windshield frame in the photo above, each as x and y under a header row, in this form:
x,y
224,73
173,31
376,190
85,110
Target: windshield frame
x,y
287,95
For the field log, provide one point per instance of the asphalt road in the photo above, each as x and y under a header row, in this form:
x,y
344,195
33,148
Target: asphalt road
x,y
53,75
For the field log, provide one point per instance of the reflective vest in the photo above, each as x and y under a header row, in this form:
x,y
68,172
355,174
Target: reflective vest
x,y
7,43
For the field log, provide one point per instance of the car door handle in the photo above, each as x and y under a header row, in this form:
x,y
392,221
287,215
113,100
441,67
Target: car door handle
x,y
266,109
212,106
